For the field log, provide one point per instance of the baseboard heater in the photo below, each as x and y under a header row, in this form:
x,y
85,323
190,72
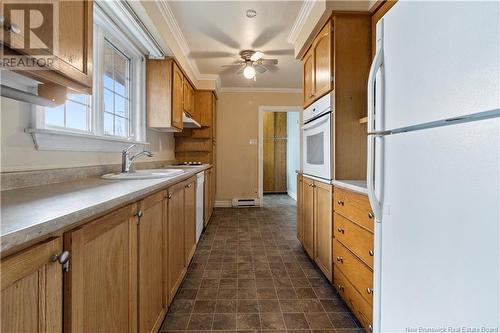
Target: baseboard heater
x,y
242,202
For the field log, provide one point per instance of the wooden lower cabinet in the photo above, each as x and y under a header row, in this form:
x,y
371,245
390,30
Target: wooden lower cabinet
x,y
209,195
101,286
176,239
323,227
190,218
31,290
152,304
308,216
300,203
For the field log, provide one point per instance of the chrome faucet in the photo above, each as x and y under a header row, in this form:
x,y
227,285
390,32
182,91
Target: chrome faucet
x,y
127,160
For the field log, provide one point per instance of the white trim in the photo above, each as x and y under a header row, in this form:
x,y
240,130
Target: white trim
x,y
223,204
304,12
262,109
255,89
46,139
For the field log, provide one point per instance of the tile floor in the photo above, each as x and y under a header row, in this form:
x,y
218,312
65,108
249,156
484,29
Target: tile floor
x,y
250,273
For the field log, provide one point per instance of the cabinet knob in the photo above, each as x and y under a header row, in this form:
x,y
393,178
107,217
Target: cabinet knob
x,y
370,328
341,230
369,291
370,215
370,253
139,213
188,185
63,259
341,259
340,202
169,196
14,28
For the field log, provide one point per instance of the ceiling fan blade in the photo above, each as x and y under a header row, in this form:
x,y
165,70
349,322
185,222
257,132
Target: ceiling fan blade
x,y
267,35
236,64
280,52
260,68
257,56
241,69
268,62
214,32
272,68
210,54
232,69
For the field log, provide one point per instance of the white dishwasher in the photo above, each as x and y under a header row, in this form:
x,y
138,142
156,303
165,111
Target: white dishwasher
x,y
200,189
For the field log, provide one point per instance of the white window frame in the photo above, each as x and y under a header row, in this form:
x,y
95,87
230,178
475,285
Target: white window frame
x,y
56,138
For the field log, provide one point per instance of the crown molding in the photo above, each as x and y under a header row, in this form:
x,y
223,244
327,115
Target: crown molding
x,y
263,90
304,12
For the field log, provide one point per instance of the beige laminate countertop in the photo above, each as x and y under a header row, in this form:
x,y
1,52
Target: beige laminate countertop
x,y
358,186
35,213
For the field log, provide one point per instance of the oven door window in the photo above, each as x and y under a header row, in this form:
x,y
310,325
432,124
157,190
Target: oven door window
x,y
315,149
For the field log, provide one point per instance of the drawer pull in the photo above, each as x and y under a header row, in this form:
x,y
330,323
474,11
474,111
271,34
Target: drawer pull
x,y
63,259
371,216
340,287
341,230
340,202
370,328
369,291
341,259
370,253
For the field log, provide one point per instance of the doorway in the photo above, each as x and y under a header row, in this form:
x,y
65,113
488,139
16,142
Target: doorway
x,y
279,150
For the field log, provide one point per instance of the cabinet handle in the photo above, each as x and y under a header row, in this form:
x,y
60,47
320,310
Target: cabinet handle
x,y
188,185
370,253
341,287
63,259
370,328
14,28
370,215
369,291
169,196
341,259
139,213
340,202
341,230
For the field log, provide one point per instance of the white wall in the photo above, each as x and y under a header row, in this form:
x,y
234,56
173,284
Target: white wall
x,y
18,152
293,152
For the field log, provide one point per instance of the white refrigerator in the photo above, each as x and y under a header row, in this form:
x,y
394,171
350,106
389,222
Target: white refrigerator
x,y
434,167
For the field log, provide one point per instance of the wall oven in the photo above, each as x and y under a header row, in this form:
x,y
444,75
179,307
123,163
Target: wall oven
x,y
317,136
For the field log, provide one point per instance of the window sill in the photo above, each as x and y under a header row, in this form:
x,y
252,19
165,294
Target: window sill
x,y
47,139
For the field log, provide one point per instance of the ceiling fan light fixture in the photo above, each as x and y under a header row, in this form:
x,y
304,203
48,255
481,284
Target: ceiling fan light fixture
x,y
251,13
249,72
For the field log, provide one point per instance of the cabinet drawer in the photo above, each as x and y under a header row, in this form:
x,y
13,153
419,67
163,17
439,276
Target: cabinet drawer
x,y
357,272
361,309
354,206
355,238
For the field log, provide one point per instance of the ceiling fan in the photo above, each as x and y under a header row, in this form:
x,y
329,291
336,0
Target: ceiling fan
x,y
252,62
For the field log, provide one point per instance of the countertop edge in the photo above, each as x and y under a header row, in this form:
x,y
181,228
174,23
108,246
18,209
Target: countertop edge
x,y
351,187
19,239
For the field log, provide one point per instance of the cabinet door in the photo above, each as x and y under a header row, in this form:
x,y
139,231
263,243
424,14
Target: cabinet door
x,y
100,292
176,239
323,227
323,62
308,64
308,216
207,196
152,305
31,293
186,96
299,208
190,218
177,96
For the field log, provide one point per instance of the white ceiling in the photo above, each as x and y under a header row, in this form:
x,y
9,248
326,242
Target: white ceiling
x,y
216,31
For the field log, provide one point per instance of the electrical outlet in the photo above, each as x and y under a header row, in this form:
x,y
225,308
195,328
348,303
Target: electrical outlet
x,y
252,141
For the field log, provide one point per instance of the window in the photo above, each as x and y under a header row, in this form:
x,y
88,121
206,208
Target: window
x,y
115,112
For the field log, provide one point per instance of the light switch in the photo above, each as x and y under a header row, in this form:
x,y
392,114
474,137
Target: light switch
x,y
252,141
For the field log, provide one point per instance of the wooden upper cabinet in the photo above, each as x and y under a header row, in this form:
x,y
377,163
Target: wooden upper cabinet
x,y
31,290
323,61
308,63
73,67
188,98
100,293
164,95
152,305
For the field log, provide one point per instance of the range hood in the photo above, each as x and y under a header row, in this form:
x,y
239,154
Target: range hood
x,y
189,122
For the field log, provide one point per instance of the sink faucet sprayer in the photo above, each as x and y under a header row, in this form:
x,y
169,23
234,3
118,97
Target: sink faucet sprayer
x,y
127,160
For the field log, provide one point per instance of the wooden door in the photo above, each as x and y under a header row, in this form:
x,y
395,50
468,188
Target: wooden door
x,y
323,225
190,218
100,293
275,152
308,216
176,239
308,66
177,96
323,61
152,306
31,290
300,204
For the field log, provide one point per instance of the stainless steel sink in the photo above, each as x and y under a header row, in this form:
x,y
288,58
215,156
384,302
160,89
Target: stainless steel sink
x,y
144,174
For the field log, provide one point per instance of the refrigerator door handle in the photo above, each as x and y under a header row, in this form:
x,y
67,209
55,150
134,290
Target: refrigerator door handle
x,y
376,64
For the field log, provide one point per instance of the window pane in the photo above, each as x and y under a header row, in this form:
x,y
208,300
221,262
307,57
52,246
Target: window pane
x,y
76,115
108,101
108,66
55,116
121,74
108,124
121,126
80,98
120,105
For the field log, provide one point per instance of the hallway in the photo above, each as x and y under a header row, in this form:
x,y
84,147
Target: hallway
x,y
250,273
